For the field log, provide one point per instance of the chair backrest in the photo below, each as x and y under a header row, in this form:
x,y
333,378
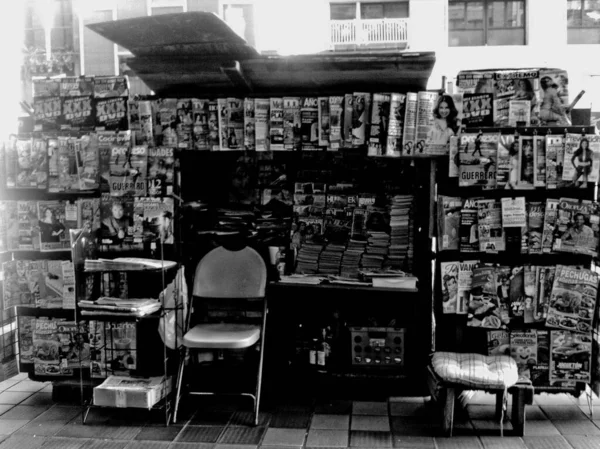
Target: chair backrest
x,y
231,274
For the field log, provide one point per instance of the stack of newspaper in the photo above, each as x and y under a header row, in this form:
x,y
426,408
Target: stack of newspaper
x,y
119,307
390,279
127,264
352,257
401,248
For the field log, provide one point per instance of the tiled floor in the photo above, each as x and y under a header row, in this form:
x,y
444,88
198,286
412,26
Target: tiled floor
x,y
30,420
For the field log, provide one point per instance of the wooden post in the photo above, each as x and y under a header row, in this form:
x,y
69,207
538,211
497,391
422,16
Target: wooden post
x,y
518,411
448,420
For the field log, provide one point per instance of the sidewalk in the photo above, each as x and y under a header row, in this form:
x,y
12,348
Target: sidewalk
x,y
29,419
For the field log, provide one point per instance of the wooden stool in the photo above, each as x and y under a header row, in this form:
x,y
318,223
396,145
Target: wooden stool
x,y
445,384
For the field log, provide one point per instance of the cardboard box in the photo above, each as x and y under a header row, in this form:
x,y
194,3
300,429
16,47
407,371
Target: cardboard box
x,y
130,392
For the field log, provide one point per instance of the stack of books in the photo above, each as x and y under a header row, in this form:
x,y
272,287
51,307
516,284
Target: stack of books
x,y
308,258
400,251
330,259
352,257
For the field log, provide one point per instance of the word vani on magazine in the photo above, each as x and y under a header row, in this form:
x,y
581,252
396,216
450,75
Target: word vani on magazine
x,y
578,275
466,266
478,175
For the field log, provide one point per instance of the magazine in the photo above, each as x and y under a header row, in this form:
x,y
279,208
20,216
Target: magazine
x,y
157,223
475,81
75,86
554,148
88,215
449,275
47,87
511,86
446,121
200,127
581,162
484,309
50,284
519,113
465,279
88,164
506,170
594,145
184,123
526,163
291,123
577,227
213,137
570,356
32,163
46,347
121,347
10,213
276,123
111,114
535,226
261,112
68,178
523,349
74,344
235,123
223,123
111,86
249,124
453,157
28,231
393,146
478,160
55,220
361,105
107,140
554,98
573,299
348,120
380,117
498,342
489,221
530,287
426,102
117,220
550,218
514,214
309,127
336,116
540,373
128,169
503,290
26,326
448,222
517,292
47,114
539,161
78,113
477,110
161,161
97,349
544,284
324,121
468,231
10,163
20,283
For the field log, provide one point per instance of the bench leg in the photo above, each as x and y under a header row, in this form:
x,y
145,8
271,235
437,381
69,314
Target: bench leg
x,y
448,418
518,411
499,404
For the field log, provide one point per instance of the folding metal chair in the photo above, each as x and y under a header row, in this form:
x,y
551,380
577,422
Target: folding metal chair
x,y
227,274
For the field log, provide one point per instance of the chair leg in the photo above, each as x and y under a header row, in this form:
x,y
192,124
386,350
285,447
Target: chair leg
x,y
260,364
448,422
178,384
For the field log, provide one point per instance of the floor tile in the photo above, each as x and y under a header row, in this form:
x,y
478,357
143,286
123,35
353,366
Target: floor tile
x,y
5,407
534,413
212,418
200,434
47,389
244,418
39,399
555,412
463,442
553,399
104,444
23,442
481,411
191,445
238,446
63,443
577,427
370,439
333,422
413,427
27,386
45,428
334,407
284,437
489,425
9,426
370,423
148,445
327,438
540,428
412,409
506,442
295,420
242,435
25,412
409,442
8,383
595,410
409,399
13,397
551,442
296,408
157,433
583,441
370,408
60,413
98,431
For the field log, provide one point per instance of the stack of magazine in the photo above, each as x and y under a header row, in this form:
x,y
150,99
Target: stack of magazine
x,y
127,264
119,307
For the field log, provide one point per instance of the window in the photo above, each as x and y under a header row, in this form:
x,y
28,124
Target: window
x,y
62,26
240,17
157,7
583,21
486,22
368,10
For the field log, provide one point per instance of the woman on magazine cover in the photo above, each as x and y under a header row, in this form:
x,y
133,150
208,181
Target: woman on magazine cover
x,y
50,228
582,161
444,123
551,108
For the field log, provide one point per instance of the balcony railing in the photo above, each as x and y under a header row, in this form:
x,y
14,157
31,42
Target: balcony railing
x,y
365,32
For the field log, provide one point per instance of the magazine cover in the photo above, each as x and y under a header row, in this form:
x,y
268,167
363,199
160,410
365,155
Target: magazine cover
x,y
235,123
47,114
573,299
393,146
111,114
336,120
107,140
570,356
78,113
213,126
426,102
128,170
46,346
514,213
544,285
97,349
88,163
68,177
526,163
468,231
121,348
348,118
184,123
498,342
465,279
135,125
4,222
26,328
594,145
10,161
530,287
380,117
477,110
117,220
581,162
453,157
535,226
50,284
161,161
17,288
74,344
505,173
519,113
523,349
276,123
554,98
75,86
28,229
514,85
44,88
478,160
484,310
10,213
361,105
111,86
291,123
503,290
324,121
449,274
261,112
88,213
55,220
448,222
249,124
446,121
540,373
158,226
517,292
475,81
539,161
550,218
223,123
165,123
201,114
489,221
309,128
554,148
32,164
577,227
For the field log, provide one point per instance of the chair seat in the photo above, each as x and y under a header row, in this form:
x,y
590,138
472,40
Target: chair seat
x,y
222,336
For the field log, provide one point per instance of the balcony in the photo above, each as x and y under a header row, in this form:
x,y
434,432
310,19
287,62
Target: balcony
x,y
374,33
